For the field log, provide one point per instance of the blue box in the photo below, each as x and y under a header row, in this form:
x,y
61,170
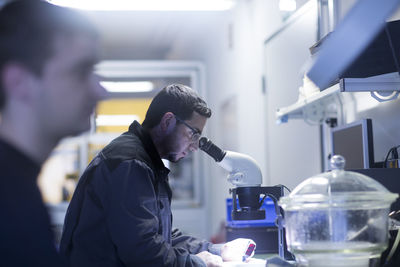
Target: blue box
x,y
270,215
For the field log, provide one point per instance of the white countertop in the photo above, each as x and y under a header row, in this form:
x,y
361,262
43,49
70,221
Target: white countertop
x,y
252,263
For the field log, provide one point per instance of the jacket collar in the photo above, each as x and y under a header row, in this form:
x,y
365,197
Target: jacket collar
x,y
149,146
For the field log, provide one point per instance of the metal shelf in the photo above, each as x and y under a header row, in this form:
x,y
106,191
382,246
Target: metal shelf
x,y
308,106
383,83
318,106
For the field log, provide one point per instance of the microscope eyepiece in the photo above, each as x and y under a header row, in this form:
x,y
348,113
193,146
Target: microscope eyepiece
x,y
215,152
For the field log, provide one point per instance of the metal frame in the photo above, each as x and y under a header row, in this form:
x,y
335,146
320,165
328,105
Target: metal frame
x,y
366,132
387,82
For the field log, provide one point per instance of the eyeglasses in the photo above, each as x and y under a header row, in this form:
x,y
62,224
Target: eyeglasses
x,y
195,133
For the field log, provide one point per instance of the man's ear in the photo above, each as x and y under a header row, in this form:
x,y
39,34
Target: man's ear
x,y
16,81
168,122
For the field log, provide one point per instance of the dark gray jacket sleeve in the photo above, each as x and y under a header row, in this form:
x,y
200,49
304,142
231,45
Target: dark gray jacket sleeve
x,y
194,245
131,212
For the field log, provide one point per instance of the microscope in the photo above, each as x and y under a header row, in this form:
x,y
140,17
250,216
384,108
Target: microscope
x,y
245,175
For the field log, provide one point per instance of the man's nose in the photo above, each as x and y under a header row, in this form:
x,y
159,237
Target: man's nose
x,y
194,146
99,92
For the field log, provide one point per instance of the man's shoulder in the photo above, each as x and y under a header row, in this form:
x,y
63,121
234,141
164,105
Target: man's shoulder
x,y
125,147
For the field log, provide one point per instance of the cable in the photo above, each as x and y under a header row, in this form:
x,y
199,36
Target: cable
x,y
386,158
284,187
395,155
276,206
392,151
394,247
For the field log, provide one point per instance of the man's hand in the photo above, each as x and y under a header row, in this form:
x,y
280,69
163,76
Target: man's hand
x,y
235,249
211,260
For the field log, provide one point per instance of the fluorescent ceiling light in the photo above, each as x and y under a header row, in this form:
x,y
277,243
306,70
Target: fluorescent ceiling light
x,y
287,5
156,5
115,120
127,87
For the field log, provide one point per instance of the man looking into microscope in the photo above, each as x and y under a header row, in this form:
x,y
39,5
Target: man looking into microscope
x,y
120,214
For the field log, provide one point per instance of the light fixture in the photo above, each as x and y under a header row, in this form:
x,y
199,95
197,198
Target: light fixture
x,y
287,5
127,86
155,5
115,120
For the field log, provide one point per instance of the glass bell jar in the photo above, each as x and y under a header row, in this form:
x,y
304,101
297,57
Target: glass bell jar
x,y
337,218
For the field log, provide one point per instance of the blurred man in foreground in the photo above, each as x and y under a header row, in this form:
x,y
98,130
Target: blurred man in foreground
x,y
47,92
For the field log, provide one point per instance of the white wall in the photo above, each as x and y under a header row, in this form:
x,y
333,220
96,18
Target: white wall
x,y
293,147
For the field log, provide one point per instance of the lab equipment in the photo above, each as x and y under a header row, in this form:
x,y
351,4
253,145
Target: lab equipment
x,y
354,141
392,158
264,232
249,252
245,174
350,38
388,177
337,218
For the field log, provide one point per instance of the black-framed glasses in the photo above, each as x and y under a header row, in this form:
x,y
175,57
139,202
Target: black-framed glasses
x,y
195,133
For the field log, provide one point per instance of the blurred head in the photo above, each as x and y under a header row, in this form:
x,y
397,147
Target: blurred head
x,y
180,115
47,55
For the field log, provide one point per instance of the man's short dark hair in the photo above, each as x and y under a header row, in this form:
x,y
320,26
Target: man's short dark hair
x,y
178,99
28,29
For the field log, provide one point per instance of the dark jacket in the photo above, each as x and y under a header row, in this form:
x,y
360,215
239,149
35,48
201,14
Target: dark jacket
x,y
26,238
120,213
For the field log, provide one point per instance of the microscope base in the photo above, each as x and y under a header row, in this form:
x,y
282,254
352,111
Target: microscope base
x,y
266,237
